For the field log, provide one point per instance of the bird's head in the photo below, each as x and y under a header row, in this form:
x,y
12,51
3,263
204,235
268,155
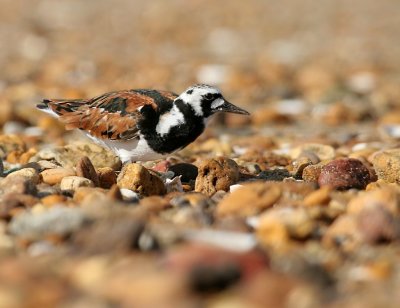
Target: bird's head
x,y
207,100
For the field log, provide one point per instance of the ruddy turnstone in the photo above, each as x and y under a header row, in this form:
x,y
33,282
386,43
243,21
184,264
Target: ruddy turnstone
x,y
141,125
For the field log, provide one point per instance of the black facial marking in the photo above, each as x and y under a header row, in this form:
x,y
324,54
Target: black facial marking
x,y
189,91
209,96
206,102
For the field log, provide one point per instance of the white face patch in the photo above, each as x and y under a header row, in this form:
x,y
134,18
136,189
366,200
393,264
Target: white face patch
x,y
217,103
168,120
194,97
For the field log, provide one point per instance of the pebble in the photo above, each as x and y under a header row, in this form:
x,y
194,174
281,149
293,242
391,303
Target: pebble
x,y
322,151
387,165
191,199
311,173
321,196
60,221
174,185
298,166
211,268
249,200
129,195
44,190
297,222
53,200
114,193
378,225
162,166
71,183
11,203
26,156
278,174
345,173
107,177
387,198
105,235
192,217
69,155
85,168
154,204
55,176
87,194
216,174
232,241
10,143
141,180
343,233
46,164
17,184
28,173
188,172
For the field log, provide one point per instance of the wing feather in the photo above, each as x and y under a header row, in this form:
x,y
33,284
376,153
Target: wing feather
x,y
112,115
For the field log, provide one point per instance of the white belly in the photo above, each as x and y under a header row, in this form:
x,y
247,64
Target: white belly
x,y
129,150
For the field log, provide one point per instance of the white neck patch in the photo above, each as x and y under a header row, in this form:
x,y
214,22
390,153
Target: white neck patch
x,y
168,120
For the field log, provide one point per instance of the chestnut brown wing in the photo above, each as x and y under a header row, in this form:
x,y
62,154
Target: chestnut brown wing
x,y
112,115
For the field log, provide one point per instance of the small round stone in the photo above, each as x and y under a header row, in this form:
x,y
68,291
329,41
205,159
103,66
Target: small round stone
x,y
188,172
345,173
387,165
216,174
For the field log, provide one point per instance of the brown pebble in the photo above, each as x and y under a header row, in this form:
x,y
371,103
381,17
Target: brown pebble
x,y
10,201
273,233
378,225
82,193
9,143
162,166
344,173
115,193
13,157
137,178
25,157
216,174
107,177
387,165
250,199
17,184
311,173
298,166
54,176
85,169
386,197
53,200
318,197
343,233
154,204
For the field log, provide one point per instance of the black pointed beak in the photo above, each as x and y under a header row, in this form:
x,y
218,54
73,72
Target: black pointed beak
x,y
231,108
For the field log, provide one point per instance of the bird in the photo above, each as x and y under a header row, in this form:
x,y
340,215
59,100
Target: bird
x,y
142,124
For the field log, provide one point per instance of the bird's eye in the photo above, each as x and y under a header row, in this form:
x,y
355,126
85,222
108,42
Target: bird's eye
x,y
208,96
